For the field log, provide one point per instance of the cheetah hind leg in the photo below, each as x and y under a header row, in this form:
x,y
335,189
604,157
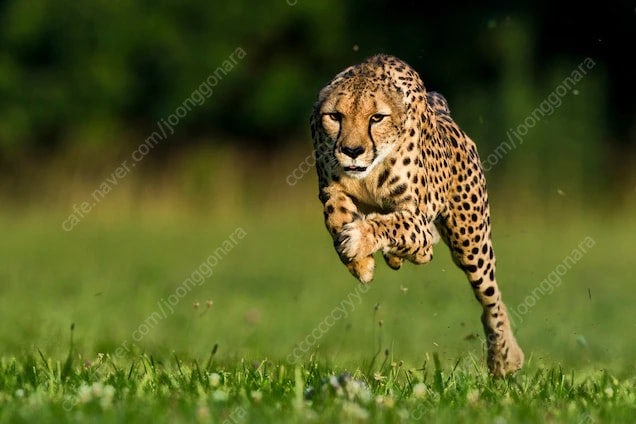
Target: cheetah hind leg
x,y
504,354
392,260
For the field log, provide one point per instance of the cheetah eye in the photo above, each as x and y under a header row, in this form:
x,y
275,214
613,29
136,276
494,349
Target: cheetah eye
x,y
377,117
334,116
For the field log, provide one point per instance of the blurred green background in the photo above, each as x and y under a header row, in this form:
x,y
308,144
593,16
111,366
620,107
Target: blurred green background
x,y
85,85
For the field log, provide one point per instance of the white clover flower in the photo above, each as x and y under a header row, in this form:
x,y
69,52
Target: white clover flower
x,y
84,393
215,379
109,390
220,396
107,396
500,420
105,402
333,380
389,402
256,395
98,389
386,401
365,395
358,390
355,411
203,413
472,396
419,391
36,398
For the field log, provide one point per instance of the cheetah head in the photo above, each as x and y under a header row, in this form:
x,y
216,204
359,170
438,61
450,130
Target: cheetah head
x,y
358,121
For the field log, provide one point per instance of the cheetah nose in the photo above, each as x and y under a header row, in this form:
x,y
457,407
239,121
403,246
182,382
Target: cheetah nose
x,y
353,152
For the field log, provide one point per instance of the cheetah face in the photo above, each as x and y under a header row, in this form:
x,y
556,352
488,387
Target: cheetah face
x,y
362,129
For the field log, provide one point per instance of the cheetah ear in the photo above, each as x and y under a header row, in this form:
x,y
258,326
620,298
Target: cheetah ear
x,y
347,73
342,75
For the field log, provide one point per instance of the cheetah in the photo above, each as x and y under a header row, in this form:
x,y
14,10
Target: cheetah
x,y
396,174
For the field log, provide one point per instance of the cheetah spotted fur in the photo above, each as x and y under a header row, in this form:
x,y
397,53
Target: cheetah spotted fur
x,y
396,174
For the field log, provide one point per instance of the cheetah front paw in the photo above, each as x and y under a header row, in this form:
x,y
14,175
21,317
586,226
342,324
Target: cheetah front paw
x,y
362,269
356,241
356,245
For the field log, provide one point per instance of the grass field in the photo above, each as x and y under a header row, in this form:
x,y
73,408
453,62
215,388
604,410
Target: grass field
x,y
180,317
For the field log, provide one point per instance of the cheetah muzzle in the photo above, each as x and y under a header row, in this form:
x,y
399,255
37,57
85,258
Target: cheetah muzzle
x,y
395,175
